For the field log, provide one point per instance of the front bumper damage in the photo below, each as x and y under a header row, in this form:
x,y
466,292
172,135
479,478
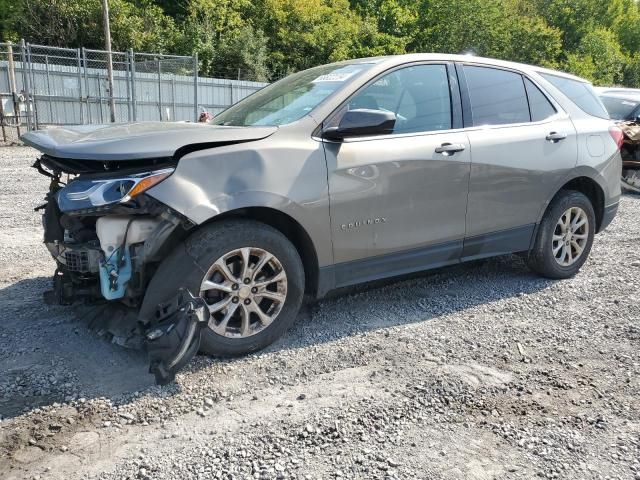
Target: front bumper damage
x,y
105,257
175,339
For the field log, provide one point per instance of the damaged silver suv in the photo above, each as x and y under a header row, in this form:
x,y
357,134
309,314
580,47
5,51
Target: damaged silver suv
x,y
337,175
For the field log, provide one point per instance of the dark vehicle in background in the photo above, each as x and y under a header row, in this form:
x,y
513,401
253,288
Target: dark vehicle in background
x,y
623,105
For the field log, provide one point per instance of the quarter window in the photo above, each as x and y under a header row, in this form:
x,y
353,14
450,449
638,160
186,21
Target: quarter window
x,y
497,97
580,93
540,106
418,96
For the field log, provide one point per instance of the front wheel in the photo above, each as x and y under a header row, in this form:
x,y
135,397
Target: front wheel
x,y
564,237
251,278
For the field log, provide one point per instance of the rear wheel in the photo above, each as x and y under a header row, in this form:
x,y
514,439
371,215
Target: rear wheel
x,y
564,237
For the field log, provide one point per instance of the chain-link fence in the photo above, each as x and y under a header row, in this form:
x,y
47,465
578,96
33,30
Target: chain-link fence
x,y
41,86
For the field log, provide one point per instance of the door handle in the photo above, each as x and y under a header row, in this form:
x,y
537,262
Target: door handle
x,y
555,137
450,148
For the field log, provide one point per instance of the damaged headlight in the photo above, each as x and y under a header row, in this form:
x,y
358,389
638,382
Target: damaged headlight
x,y
84,193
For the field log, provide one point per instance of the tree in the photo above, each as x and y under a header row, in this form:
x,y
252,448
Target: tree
x,y
575,18
143,27
507,29
78,23
631,73
9,10
598,58
245,52
62,23
533,41
628,27
457,26
214,28
304,33
395,18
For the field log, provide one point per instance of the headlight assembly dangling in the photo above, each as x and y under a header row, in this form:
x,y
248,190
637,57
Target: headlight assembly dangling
x,y
83,193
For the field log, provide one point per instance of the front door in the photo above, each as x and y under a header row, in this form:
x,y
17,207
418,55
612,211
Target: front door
x,y
398,202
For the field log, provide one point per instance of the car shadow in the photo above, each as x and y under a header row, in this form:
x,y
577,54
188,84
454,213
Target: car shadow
x,y
48,354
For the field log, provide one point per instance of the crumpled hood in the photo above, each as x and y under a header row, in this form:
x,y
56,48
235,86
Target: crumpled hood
x,y
135,141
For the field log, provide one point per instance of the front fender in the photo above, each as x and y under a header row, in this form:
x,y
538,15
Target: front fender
x,y
287,174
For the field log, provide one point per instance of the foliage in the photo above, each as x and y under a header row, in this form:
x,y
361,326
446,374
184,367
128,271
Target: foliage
x,y
56,22
143,27
598,57
632,71
265,39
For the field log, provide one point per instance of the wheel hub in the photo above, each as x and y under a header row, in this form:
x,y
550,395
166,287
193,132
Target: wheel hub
x,y
245,290
570,236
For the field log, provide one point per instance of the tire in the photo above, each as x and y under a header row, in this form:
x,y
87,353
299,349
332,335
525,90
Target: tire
x,y
543,258
193,260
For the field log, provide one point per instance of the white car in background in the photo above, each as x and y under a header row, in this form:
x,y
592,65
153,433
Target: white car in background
x,y
623,105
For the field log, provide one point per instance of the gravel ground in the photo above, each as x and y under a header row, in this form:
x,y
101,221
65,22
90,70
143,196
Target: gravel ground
x,y
478,371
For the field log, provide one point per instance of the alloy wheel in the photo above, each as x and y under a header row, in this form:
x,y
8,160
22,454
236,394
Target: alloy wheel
x,y
245,290
570,236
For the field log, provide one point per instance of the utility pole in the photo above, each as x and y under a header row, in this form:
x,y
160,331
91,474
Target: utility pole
x,y
107,46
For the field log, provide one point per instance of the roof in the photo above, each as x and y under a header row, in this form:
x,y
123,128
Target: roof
x,y
411,57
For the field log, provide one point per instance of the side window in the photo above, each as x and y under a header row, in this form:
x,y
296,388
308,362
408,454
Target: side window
x,y
539,104
497,96
579,92
419,97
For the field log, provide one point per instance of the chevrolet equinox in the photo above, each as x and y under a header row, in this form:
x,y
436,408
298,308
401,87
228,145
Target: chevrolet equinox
x,y
340,174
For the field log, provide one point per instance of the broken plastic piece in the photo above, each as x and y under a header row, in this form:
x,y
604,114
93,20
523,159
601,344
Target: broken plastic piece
x,y
174,339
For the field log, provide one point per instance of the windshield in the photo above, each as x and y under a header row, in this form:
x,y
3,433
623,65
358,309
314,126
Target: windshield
x,y
290,98
620,108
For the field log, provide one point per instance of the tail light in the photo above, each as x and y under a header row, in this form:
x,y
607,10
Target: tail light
x,y
617,135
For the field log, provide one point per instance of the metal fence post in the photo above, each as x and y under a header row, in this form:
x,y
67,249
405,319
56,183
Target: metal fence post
x,y
80,86
86,83
13,86
133,84
11,70
99,96
25,82
195,87
128,65
49,96
32,88
4,132
159,88
173,98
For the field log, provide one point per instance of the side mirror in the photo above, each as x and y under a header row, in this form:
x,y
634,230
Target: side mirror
x,y
360,123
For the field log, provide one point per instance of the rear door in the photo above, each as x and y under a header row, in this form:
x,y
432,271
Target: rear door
x,y
522,144
402,197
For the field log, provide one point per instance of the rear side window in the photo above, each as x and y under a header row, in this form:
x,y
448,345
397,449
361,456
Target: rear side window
x,y
540,106
497,97
580,93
